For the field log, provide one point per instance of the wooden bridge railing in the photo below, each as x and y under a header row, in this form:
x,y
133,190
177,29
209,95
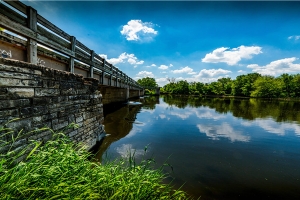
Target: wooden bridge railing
x,y
25,21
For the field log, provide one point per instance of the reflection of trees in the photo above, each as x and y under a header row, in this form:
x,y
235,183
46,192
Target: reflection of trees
x,y
178,101
117,124
150,101
249,109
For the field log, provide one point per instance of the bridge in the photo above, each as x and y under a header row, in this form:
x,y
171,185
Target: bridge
x,y
49,78
32,38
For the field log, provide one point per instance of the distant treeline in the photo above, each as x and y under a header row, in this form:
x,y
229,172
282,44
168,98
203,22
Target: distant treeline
x,y
250,85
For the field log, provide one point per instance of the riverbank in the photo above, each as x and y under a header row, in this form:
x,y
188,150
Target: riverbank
x,y
231,96
60,169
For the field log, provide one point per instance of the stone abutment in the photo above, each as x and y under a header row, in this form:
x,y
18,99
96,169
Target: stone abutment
x,y
45,97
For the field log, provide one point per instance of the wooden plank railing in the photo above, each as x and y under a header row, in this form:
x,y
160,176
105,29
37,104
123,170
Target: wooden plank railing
x,y
26,22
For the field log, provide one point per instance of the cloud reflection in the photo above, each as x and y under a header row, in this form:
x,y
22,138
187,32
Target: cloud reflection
x,y
182,115
126,149
278,128
224,130
133,132
207,113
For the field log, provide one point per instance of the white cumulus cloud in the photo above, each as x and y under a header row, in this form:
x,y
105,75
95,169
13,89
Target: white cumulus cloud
x,y
134,29
205,73
277,67
186,70
143,74
161,81
231,56
163,67
124,57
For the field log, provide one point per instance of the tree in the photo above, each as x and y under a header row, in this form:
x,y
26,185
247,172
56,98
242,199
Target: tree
x,y
147,82
268,86
243,85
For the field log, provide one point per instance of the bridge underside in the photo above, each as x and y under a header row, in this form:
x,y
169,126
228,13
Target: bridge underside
x,y
115,94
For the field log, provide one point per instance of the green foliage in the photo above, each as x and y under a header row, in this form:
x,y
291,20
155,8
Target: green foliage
x,y
147,82
268,86
243,85
60,169
252,84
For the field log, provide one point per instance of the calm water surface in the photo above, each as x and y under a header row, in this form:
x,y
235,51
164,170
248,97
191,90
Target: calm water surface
x,y
218,148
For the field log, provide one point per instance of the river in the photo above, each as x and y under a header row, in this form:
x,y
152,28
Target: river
x,y
218,148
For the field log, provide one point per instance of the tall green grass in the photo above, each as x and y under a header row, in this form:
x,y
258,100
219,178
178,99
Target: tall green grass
x,y
60,169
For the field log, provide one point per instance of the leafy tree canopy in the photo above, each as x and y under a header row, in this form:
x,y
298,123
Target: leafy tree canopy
x,y
147,82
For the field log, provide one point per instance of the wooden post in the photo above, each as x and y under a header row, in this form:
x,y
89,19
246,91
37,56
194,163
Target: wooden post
x,y
111,74
103,69
71,62
32,44
92,66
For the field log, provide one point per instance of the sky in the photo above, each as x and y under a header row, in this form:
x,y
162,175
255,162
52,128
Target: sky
x,y
194,41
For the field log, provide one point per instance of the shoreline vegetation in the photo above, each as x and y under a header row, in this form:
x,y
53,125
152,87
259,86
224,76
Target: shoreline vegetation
x,y
285,86
60,169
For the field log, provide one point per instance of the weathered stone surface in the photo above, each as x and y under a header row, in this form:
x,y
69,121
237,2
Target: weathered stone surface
x,y
43,97
41,92
22,92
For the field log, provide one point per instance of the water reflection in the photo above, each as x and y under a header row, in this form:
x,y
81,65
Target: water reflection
x,y
126,149
222,148
119,124
224,130
271,126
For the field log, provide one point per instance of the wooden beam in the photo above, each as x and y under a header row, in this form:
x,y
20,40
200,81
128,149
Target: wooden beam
x,y
31,43
71,63
28,33
92,66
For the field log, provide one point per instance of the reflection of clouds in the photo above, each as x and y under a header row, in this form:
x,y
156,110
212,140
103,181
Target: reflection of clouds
x,y
271,126
138,123
162,116
224,130
148,110
208,113
133,132
201,113
247,123
182,115
125,149
162,105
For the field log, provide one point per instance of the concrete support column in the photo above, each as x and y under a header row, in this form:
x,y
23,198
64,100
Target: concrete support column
x,y
127,93
157,91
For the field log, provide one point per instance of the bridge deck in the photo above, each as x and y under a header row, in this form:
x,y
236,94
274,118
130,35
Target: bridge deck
x,y
32,38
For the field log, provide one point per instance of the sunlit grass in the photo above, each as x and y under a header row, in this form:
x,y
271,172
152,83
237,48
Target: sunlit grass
x,y
60,169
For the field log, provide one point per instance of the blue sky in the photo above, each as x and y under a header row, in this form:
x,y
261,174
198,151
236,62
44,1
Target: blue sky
x,y
194,41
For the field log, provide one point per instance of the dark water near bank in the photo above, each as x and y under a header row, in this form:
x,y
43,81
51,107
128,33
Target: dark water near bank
x,y
219,148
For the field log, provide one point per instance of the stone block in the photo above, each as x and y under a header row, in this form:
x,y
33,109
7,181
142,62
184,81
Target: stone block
x,y
70,91
79,119
21,92
9,68
9,113
41,92
26,111
60,125
4,104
